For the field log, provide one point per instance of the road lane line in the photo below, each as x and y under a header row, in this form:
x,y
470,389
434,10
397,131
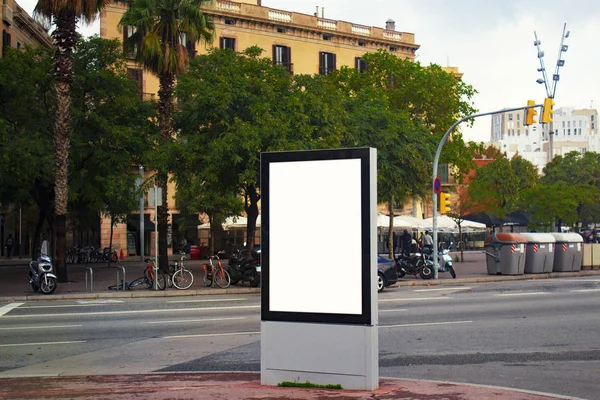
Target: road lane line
x,y
440,289
157,311
204,301
40,327
415,299
9,307
41,343
69,305
393,310
521,294
210,335
193,320
585,290
425,324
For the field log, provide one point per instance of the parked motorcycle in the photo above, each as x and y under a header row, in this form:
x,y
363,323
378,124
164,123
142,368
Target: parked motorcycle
x,y
446,263
414,264
245,269
41,276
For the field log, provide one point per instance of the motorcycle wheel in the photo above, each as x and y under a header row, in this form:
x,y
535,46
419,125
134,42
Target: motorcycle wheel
x,y
452,272
47,285
255,280
380,283
426,272
34,287
401,273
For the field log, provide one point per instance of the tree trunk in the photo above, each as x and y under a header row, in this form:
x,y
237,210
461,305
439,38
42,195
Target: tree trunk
x,y
252,198
165,106
462,255
65,36
391,229
110,246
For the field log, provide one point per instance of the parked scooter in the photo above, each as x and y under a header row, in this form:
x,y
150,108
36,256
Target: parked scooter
x,y
41,276
414,264
444,262
245,269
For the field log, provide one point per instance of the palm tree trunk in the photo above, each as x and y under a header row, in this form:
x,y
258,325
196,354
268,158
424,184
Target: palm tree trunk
x,y
165,106
64,39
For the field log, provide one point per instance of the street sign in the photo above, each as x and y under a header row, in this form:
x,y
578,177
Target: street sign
x,y
437,185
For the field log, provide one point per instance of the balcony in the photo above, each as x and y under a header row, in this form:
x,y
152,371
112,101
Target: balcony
x,y
7,14
361,30
392,35
228,6
327,24
281,16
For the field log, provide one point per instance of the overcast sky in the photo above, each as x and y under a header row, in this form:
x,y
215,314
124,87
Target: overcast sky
x,y
491,41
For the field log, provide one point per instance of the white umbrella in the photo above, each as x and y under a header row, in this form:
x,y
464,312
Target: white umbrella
x,y
407,221
444,222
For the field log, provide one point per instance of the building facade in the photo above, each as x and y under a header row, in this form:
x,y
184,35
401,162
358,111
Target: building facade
x,y
303,43
20,29
571,130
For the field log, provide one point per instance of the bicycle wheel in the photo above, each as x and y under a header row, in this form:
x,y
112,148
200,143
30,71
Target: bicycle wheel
x,y
161,282
222,278
206,275
183,279
138,282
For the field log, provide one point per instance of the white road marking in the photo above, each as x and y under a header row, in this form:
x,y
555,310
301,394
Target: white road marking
x,y
100,301
585,290
521,294
576,280
39,327
442,289
9,307
425,324
393,310
416,299
157,311
41,343
203,301
193,320
211,335
66,306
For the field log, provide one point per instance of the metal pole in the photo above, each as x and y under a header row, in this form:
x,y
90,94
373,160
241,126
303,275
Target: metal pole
x,y
435,168
156,237
20,231
142,252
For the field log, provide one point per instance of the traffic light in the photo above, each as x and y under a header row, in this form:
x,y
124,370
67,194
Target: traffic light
x,y
530,113
444,203
548,110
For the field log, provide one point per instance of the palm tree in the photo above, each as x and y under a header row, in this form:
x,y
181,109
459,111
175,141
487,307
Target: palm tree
x,y
158,31
64,14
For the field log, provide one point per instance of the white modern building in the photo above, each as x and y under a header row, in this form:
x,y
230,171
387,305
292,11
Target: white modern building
x,y
573,130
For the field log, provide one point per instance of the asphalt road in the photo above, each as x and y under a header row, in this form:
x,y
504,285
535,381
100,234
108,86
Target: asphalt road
x,y
541,335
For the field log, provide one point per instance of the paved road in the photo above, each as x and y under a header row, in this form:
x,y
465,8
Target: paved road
x,y
539,335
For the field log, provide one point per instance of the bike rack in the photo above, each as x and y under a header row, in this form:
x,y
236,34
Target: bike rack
x,y
91,274
122,285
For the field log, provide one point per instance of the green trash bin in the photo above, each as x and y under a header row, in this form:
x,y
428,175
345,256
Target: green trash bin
x,y
505,253
539,255
569,252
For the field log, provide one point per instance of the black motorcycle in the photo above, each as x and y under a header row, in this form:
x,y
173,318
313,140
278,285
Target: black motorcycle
x,y
245,269
41,276
415,264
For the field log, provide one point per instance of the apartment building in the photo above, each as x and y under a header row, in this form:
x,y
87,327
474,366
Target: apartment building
x,y
572,130
20,29
303,43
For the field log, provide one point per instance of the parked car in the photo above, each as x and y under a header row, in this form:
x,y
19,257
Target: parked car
x,y
386,273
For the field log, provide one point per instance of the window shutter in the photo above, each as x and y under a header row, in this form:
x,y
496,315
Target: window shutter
x,y
274,54
125,33
334,62
357,63
321,66
221,43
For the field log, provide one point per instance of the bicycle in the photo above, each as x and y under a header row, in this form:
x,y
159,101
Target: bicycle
x,y
161,281
179,276
215,274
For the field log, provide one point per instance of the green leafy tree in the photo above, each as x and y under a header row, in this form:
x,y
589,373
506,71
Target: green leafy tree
x,y
64,14
233,106
160,31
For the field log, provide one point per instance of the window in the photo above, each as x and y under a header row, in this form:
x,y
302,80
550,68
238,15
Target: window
x,y
592,118
580,131
190,46
563,123
518,132
227,43
569,131
510,118
136,75
6,41
360,64
326,63
518,117
282,55
568,124
129,31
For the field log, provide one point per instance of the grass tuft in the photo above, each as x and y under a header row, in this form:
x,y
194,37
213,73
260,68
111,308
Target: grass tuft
x,y
307,384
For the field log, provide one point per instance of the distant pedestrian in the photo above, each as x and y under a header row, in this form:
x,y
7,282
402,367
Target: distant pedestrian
x,y
427,240
406,243
10,242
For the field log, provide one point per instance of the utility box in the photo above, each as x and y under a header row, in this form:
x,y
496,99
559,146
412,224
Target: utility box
x,y
505,253
539,255
569,254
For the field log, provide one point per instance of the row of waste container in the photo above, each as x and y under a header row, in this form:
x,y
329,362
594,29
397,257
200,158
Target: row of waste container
x,y
533,253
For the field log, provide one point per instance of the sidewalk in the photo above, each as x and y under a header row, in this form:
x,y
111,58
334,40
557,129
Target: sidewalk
x,y
14,285
236,386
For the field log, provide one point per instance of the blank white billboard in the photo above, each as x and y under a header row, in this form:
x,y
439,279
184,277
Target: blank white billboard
x,y
315,206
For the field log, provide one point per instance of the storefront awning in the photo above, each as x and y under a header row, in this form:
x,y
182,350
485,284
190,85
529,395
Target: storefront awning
x,y
133,223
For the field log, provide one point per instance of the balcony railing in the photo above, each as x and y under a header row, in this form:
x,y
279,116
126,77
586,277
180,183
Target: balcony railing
x,y
392,35
228,6
282,16
361,30
327,24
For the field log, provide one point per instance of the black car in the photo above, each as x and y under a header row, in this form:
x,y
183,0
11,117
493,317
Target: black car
x,y
386,273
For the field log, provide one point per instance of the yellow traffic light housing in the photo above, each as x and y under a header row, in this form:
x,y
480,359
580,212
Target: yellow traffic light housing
x,y
444,203
530,113
548,111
